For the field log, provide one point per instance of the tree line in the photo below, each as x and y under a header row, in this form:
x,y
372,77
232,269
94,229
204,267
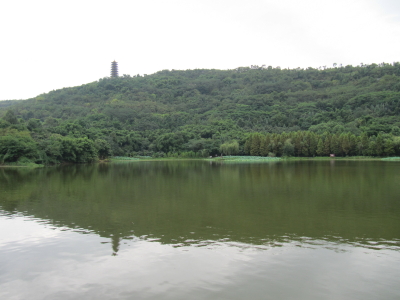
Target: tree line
x,y
311,144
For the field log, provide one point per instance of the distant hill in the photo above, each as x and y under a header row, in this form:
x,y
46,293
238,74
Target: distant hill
x,y
6,103
175,111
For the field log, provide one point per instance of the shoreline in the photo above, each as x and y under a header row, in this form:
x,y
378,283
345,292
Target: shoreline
x,y
262,159
231,159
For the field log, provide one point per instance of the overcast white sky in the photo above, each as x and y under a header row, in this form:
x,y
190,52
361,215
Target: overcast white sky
x,y
47,44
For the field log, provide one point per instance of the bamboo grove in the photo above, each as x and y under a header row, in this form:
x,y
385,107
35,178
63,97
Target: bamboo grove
x,y
310,144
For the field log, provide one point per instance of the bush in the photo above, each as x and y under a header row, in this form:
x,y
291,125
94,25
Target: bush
x,y
14,147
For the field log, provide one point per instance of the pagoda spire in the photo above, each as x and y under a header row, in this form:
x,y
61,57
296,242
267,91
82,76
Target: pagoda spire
x,y
114,69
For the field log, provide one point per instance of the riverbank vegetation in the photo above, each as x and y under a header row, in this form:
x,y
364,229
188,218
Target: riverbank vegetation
x,y
258,111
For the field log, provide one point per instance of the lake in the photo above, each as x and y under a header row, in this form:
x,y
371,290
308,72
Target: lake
x,y
201,230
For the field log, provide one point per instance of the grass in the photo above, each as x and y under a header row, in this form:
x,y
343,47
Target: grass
x,y
124,158
333,158
395,158
141,158
247,159
254,159
19,165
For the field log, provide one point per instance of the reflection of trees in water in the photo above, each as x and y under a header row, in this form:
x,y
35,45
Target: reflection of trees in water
x,y
190,202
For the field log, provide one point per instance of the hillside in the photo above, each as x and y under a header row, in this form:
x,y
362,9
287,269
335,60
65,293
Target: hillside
x,y
198,110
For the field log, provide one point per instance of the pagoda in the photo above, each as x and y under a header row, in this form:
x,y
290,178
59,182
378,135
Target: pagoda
x,y
114,69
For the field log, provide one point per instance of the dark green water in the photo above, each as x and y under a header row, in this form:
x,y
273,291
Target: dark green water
x,y
200,230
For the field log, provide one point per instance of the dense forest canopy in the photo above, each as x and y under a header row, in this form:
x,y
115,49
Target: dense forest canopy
x,y
204,112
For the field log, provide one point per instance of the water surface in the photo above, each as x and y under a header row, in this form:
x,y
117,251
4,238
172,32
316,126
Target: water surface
x,y
201,230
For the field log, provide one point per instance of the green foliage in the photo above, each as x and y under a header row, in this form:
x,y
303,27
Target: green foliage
x,y
10,117
309,144
78,150
288,148
34,124
395,130
229,148
320,148
255,147
13,148
103,148
282,112
4,124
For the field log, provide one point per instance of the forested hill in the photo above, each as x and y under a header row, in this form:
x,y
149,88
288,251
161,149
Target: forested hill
x,y
196,110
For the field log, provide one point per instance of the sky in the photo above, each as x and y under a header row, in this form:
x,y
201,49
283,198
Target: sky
x,y
47,45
